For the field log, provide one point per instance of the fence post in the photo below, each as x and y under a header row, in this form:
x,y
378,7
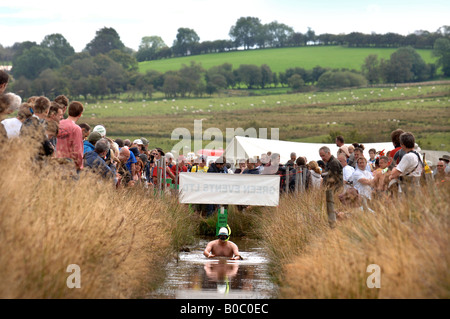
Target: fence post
x,y
300,176
330,208
164,173
303,179
176,179
297,179
287,179
159,173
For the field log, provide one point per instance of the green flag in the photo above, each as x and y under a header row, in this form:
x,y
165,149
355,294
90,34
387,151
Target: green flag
x,y
222,219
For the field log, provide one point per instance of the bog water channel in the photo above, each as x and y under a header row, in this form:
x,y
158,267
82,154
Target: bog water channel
x,y
194,276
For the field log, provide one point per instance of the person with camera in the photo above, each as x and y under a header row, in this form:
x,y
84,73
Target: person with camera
x,y
94,160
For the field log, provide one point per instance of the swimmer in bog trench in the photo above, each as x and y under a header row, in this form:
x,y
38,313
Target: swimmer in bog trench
x,y
222,247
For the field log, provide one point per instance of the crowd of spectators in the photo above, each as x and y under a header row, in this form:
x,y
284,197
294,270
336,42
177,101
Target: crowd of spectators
x,y
129,163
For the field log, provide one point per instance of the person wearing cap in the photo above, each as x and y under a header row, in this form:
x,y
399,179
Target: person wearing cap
x,y
199,165
222,247
170,160
89,144
344,150
101,129
144,144
137,142
441,176
218,166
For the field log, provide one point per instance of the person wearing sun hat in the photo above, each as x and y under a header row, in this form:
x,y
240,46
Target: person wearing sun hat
x,y
145,142
222,247
101,129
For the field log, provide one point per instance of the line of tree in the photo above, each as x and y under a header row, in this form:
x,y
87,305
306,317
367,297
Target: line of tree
x,y
247,33
107,67
250,32
114,72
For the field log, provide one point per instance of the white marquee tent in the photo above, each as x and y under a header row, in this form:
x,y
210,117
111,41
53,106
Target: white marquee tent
x,y
248,147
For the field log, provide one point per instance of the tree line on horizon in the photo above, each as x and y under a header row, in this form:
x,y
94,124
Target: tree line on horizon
x,y
107,67
249,33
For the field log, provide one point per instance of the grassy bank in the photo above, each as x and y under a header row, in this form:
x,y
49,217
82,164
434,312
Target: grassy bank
x,y
407,239
121,240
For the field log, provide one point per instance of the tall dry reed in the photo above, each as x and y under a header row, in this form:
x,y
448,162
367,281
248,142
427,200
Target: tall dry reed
x,y
408,239
49,220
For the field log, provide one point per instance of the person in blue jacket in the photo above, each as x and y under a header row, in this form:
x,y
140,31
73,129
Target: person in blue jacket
x,y
89,144
95,160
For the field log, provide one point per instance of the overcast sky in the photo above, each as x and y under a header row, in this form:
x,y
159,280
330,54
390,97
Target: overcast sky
x,y
78,21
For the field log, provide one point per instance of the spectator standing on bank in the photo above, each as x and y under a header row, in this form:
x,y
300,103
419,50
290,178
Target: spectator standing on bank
x,y
70,136
332,177
410,167
63,101
95,161
301,166
89,144
316,174
441,176
395,138
13,125
446,160
199,165
251,168
339,141
363,179
347,171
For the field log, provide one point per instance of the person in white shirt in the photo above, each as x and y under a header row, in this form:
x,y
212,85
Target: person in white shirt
x,y
13,125
347,170
362,179
410,167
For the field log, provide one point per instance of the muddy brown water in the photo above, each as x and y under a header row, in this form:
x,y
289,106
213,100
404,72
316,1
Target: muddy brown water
x,y
194,276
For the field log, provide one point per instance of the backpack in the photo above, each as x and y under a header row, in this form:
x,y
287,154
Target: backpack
x,y
425,170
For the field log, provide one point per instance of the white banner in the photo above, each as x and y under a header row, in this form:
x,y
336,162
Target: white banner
x,y
229,189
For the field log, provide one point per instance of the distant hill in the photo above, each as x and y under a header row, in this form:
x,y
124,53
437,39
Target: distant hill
x,y
281,59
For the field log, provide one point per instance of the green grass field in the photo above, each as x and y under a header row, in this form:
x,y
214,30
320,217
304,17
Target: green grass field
x,y
280,60
369,114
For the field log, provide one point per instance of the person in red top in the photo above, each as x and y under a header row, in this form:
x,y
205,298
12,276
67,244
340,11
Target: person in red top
x,y
395,137
70,136
181,168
